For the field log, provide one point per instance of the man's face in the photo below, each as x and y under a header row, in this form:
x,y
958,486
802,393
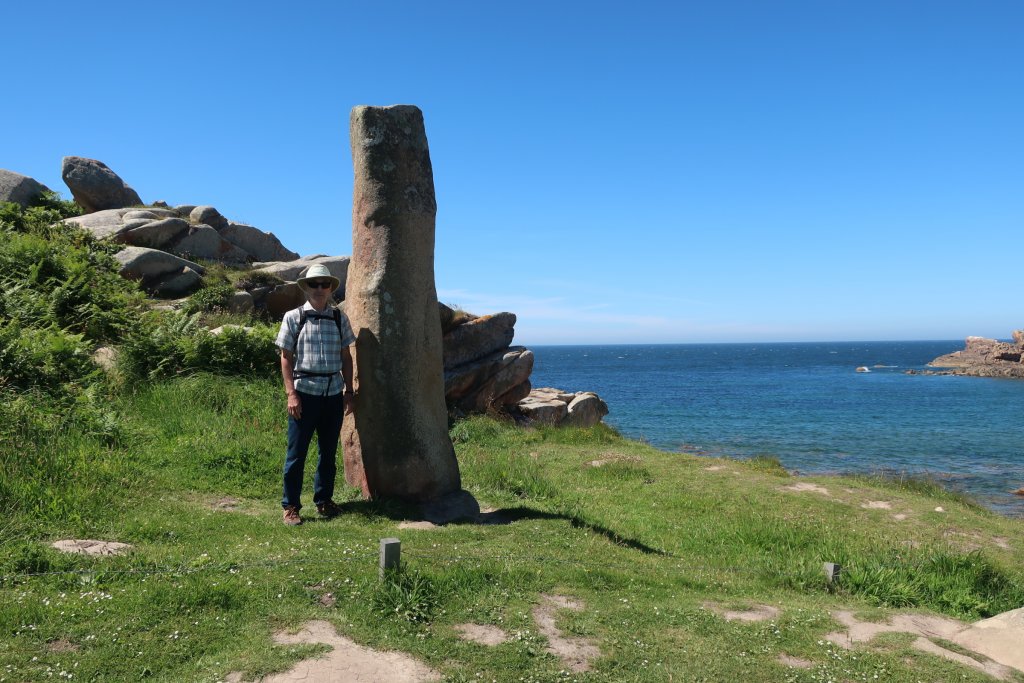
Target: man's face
x,y
319,292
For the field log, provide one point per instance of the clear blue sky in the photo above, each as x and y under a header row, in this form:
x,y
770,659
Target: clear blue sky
x,y
610,172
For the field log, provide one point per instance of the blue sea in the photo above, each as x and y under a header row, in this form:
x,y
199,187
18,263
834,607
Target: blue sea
x,y
805,404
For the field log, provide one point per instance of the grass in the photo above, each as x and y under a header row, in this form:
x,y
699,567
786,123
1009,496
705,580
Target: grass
x,y
643,541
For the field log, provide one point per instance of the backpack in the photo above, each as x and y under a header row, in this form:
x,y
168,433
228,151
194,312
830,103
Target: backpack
x,y
303,316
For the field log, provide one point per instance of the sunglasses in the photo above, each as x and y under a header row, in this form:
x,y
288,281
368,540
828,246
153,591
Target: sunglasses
x,y
320,284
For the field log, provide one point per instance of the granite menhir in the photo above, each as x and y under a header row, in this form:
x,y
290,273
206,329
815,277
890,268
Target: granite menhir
x,y
398,443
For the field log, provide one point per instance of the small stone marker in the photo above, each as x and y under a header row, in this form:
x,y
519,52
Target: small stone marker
x,y
390,555
832,572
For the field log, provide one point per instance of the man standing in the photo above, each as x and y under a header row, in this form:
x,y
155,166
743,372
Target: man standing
x,y
316,366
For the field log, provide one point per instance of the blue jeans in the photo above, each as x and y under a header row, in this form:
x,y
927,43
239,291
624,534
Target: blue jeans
x,y
323,415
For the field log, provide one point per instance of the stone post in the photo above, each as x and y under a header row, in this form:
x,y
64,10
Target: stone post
x,y
398,444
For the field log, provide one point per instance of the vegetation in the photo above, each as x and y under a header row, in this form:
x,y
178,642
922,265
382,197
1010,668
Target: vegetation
x,y
179,453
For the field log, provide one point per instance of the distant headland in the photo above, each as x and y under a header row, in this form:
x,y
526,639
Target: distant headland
x,y
983,357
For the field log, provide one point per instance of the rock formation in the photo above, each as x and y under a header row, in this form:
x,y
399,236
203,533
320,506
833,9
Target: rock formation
x,y
19,189
560,408
398,446
95,187
982,357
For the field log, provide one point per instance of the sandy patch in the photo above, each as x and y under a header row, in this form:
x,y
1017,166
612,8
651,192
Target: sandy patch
x,y
422,525
714,468
1003,543
483,634
997,671
877,505
226,504
575,653
615,458
755,613
940,509
805,486
996,640
88,547
61,645
899,516
347,661
794,662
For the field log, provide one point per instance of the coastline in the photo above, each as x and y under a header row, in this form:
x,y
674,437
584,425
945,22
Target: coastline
x,y
804,404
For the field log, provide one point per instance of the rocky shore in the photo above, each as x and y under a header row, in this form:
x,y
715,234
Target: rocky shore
x,y
983,357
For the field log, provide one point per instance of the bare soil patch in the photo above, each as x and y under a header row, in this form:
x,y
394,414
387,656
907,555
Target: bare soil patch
x,y
876,505
420,525
804,486
996,641
615,458
61,645
484,634
794,662
347,661
755,613
91,547
226,504
576,653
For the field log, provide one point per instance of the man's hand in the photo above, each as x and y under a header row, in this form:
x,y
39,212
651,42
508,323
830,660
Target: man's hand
x,y
294,405
349,401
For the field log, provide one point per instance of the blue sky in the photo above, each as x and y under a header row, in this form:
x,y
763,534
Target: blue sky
x,y
610,172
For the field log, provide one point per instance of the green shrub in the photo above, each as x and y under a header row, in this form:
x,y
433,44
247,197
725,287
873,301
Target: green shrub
x,y
257,279
48,358
212,297
168,344
55,275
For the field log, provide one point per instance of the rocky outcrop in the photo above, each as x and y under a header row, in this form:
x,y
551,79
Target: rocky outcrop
x,y
488,382
478,337
398,446
95,187
263,246
159,272
176,231
208,215
291,270
559,408
19,189
982,357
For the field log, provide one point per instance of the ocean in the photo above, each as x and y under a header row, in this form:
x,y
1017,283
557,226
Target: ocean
x,y
805,404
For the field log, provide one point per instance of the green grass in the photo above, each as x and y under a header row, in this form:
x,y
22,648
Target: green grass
x,y
643,538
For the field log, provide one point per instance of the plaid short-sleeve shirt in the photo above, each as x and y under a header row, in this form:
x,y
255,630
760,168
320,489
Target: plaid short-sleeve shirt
x,y
317,349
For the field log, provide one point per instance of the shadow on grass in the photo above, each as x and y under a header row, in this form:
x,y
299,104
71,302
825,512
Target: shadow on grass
x,y
397,510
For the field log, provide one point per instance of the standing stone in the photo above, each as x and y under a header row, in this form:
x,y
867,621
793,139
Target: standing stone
x,y
95,187
398,443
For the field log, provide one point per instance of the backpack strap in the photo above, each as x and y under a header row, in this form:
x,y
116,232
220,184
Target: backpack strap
x,y
337,322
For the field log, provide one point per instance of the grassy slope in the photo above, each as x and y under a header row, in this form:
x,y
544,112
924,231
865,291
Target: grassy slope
x,y
643,540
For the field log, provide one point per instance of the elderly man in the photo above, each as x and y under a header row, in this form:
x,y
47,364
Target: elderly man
x,y
316,366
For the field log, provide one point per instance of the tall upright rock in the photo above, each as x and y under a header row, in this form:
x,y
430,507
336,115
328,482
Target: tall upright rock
x,y
398,443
